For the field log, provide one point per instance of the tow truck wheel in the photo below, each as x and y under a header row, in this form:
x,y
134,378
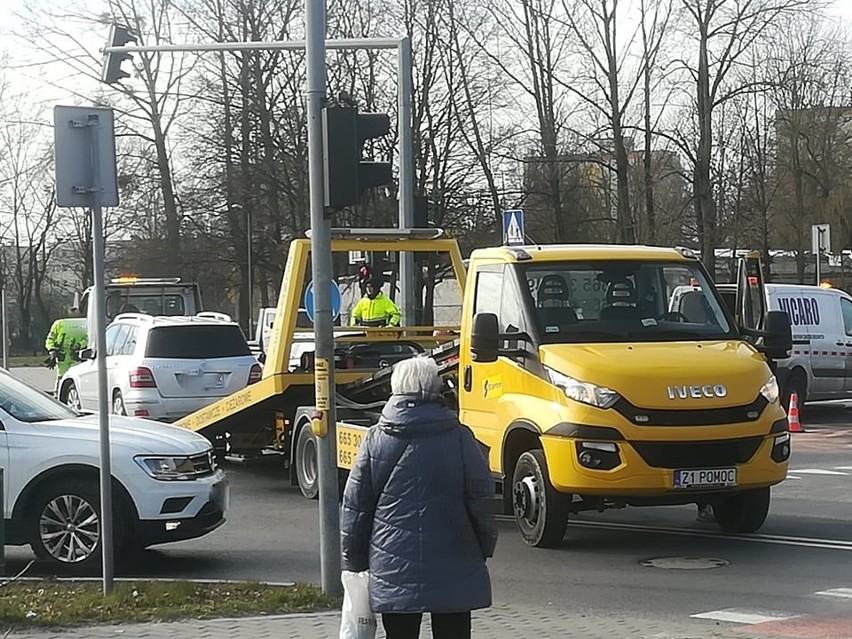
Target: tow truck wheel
x,y
307,466
743,512
541,512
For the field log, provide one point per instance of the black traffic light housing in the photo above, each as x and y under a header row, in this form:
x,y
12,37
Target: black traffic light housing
x,y
346,177
118,37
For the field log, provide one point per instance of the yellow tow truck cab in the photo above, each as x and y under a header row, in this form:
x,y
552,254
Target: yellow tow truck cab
x,y
592,392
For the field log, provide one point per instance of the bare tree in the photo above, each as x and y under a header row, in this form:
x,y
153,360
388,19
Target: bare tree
x,y
28,201
724,31
148,111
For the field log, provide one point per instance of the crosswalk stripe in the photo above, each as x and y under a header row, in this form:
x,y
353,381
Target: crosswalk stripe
x,y
818,471
843,468
843,593
745,615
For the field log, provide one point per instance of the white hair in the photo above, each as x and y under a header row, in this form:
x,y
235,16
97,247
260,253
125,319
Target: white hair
x,y
418,375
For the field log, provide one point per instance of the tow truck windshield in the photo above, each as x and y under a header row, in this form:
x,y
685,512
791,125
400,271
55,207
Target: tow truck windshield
x,y
623,301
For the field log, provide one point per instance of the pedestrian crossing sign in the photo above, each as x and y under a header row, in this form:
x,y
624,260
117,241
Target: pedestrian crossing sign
x,y
513,228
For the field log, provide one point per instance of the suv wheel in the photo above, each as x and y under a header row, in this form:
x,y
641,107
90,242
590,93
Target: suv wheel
x,y
307,463
118,407
71,397
66,524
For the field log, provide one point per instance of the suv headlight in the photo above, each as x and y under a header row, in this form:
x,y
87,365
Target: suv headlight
x,y
584,392
770,390
177,467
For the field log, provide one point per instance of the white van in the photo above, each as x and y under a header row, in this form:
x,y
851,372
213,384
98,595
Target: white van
x,y
820,364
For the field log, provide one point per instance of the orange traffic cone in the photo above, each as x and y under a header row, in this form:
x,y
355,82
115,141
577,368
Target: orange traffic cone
x,y
793,415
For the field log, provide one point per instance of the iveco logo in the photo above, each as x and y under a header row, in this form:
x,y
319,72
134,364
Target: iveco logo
x,y
696,392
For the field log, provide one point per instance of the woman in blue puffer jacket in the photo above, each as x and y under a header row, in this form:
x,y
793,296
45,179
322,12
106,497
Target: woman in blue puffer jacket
x,y
415,511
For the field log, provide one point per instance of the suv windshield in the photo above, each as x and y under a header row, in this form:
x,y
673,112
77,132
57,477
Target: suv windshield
x,y
624,301
28,404
196,342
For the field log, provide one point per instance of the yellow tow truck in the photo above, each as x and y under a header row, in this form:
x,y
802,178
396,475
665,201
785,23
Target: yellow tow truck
x,y
273,415
592,388
591,385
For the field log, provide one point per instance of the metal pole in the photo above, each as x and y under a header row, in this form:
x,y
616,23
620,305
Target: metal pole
x,y
407,276
4,335
99,294
321,266
248,268
819,251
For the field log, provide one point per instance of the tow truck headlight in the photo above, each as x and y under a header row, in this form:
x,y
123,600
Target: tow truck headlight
x,y
770,390
175,467
584,392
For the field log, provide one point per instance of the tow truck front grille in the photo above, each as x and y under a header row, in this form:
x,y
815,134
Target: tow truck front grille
x,y
698,454
691,417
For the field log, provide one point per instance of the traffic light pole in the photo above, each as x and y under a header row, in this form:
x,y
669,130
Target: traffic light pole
x,y
407,276
321,266
408,282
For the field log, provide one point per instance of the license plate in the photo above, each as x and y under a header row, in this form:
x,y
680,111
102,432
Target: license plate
x,y
220,496
348,442
705,478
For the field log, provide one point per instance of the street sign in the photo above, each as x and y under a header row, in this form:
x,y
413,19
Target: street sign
x,y
336,301
820,238
513,228
82,166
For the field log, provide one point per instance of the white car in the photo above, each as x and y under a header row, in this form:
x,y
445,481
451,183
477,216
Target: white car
x,y
166,485
164,368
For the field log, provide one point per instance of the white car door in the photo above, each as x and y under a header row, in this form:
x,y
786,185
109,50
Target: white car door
x,y
115,334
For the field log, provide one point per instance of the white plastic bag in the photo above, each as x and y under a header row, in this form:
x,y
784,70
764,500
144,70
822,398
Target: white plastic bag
x,y
357,620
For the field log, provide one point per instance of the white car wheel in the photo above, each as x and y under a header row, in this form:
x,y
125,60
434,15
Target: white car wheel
x,y
72,397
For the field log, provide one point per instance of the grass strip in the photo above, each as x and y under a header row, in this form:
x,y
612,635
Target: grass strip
x,y
71,603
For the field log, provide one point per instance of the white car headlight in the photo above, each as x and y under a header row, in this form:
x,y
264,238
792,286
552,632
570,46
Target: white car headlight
x,y
584,392
177,467
770,390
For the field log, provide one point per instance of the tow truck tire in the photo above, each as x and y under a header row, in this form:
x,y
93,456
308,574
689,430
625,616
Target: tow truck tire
x,y
541,512
743,512
307,464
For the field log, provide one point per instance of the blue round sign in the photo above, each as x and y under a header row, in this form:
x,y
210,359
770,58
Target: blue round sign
x,y
336,301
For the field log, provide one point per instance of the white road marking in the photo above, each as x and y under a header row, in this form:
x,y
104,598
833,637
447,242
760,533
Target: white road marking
x,y
843,467
792,477
744,615
818,471
779,540
843,593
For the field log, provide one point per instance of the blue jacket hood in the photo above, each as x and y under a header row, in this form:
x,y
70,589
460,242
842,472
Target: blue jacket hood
x,y
416,415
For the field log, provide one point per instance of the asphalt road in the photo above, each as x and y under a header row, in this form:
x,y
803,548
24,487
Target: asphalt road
x,y
798,564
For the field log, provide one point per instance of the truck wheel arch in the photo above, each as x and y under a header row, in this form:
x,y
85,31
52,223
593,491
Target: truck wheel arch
x,y
521,436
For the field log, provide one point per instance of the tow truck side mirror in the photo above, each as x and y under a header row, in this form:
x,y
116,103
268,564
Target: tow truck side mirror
x,y
778,335
484,338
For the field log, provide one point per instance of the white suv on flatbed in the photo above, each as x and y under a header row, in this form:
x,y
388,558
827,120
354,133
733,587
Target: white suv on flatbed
x,y
166,484
164,368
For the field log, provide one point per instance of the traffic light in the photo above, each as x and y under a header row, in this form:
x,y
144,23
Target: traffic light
x,y
346,177
112,72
